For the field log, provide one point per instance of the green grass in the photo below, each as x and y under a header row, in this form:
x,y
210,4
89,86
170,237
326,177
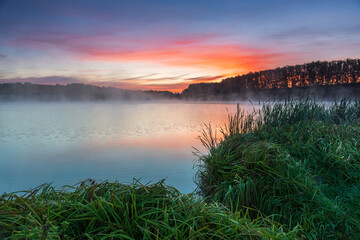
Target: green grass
x,y
103,210
297,162
287,171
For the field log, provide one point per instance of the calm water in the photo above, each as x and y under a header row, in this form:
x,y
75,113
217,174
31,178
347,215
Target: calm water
x,y
65,143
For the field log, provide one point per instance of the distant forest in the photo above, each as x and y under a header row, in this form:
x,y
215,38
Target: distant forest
x,y
321,79
75,92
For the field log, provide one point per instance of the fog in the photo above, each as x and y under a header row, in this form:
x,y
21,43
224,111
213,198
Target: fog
x,y
77,92
10,92
66,142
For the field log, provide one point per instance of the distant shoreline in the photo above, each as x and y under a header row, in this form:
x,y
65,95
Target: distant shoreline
x,y
321,80
10,92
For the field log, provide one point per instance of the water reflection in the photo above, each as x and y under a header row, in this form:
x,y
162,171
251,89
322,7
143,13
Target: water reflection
x,y
68,142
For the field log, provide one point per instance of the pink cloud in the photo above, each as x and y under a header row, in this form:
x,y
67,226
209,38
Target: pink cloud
x,y
175,87
199,50
229,58
204,51
144,83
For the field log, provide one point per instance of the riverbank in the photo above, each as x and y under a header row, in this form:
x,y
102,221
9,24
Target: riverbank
x,y
289,170
297,162
106,210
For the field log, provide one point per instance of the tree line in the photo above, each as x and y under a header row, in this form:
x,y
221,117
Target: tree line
x,y
322,79
75,92
323,76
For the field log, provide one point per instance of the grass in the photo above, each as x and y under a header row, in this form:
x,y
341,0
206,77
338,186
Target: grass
x,y
289,170
103,210
297,162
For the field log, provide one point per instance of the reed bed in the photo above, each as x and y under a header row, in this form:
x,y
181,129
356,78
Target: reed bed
x,y
296,162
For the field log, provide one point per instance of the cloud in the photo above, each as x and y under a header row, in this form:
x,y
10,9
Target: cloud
x,y
143,82
135,83
2,56
196,50
151,78
225,57
173,87
298,32
160,84
147,82
206,78
139,77
44,80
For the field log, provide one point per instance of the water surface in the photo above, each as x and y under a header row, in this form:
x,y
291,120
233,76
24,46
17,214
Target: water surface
x,y
64,143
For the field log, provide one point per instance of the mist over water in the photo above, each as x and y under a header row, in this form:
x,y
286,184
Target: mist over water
x,y
66,142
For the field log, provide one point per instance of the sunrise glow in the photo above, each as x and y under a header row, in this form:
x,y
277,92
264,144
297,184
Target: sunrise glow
x,y
159,45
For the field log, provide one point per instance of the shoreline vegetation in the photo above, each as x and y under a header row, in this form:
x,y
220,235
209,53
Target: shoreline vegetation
x,y
296,162
322,80
290,170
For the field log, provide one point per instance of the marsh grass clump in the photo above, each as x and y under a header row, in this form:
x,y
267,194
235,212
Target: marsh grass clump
x,y
296,162
104,210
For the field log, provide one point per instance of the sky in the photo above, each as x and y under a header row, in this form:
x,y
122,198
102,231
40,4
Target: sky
x,y
167,45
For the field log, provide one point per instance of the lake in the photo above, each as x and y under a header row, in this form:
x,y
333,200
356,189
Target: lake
x,y
66,142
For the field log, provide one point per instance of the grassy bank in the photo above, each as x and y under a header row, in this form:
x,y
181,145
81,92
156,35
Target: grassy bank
x,y
287,171
106,210
296,162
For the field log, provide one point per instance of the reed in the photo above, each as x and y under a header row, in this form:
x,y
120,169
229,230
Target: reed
x,y
296,162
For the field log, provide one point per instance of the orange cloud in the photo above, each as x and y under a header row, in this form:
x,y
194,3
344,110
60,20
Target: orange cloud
x,y
175,87
206,78
147,83
230,58
209,53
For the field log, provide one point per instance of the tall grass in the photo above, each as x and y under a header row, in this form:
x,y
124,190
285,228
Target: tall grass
x,y
103,210
297,162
